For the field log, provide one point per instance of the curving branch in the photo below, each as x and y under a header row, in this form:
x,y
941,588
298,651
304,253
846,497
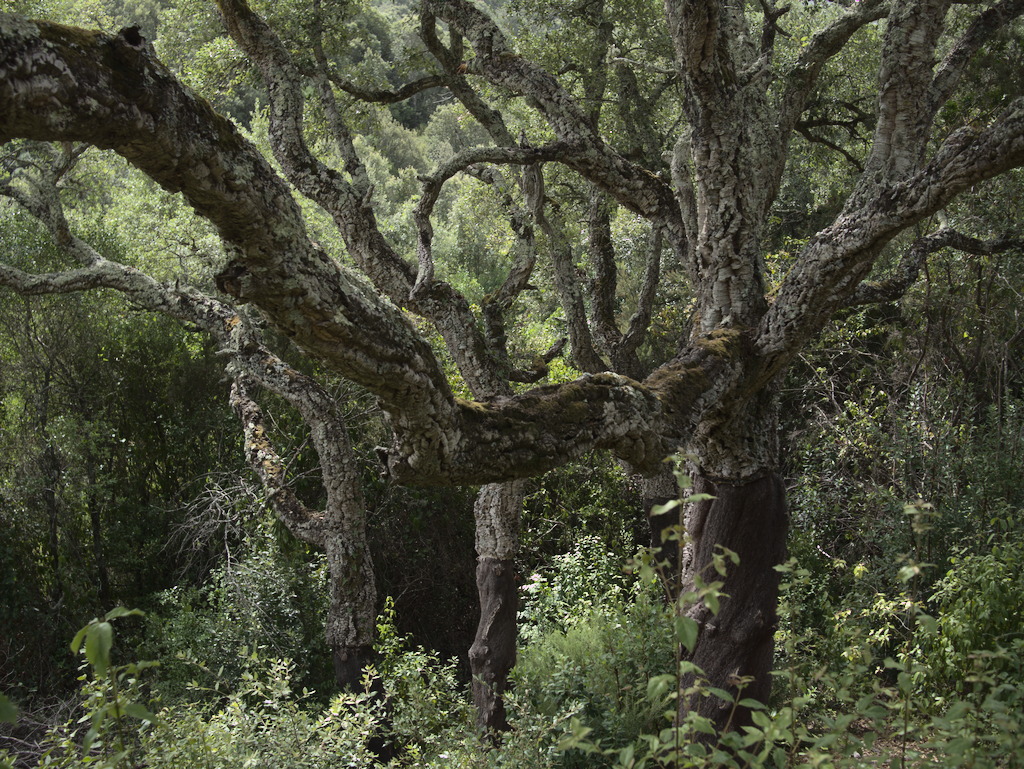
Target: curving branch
x,y
407,91
487,441
64,84
906,272
342,137
802,77
451,60
805,131
838,258
905,115
586,153
340,528
949,73
433,185
302,522
435,300
640,322
770,27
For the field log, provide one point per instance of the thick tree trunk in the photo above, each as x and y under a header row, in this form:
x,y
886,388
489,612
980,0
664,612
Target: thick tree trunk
x,y
493,653
749,519
349,664
351,613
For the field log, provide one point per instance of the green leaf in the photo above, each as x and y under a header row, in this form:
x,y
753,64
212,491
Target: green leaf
x,y
722,694
752,704
577,738
120,611
626,756
8,712
672,504
99,639
76,642
686,632
711,601
704,725
90,739
700,498
761,719
658,687
688,668
140,712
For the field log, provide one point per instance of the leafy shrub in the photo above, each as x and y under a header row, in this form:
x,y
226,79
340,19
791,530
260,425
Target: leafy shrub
x,y
979,607
264,602
591,642
427,707
586,580
264,724
598,670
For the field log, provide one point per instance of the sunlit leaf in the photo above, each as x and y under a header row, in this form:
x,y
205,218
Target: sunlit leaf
x,y
99,639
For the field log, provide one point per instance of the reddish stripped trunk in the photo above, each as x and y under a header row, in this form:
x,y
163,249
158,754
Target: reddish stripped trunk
x,y
349,665
749,519
493,653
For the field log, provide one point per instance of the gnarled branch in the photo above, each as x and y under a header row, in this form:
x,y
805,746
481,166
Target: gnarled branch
x,y
906,272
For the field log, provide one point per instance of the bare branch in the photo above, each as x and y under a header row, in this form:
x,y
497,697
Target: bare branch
x,y
771,28
567,284
839,257
981,30
407,91
641,320
605,273
239,341
65,88
452,63
906,272
268,466
342,136
803,76
633,186
432,186
805,132
905,77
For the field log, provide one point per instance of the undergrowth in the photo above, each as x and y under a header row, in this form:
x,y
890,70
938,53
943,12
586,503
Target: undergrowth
x,y
912,678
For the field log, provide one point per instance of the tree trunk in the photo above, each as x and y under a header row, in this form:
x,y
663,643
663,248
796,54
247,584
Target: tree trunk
x,y
96,524
493,653
750,519
349,664
351,613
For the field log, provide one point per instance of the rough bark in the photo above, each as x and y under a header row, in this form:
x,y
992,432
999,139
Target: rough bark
x,y
350,665
493,653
